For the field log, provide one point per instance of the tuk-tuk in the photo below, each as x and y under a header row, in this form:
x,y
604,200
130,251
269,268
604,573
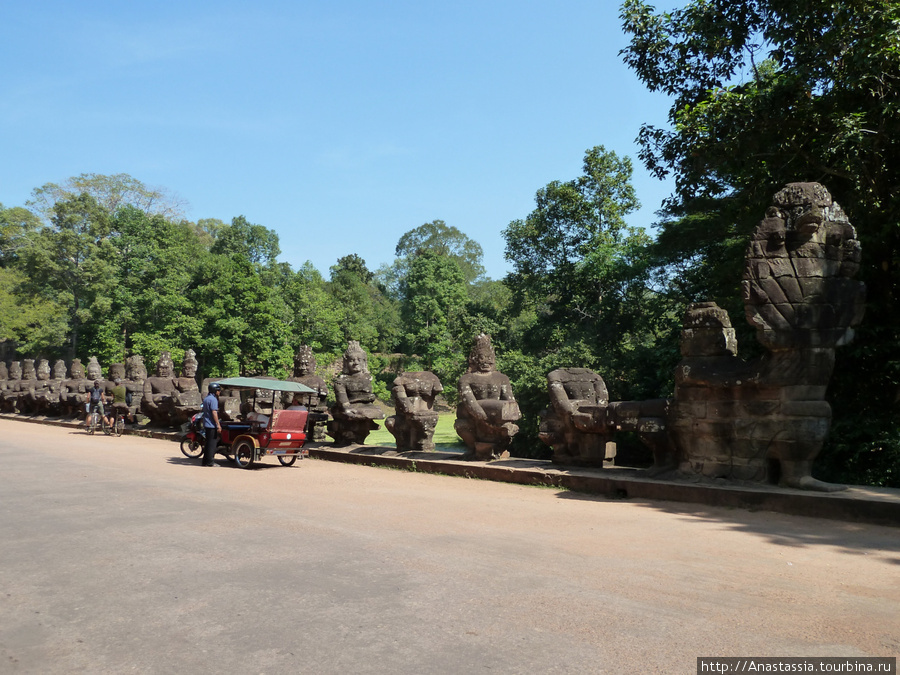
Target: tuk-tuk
x,y
281,433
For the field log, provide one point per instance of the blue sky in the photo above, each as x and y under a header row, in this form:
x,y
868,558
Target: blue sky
x,y
340,125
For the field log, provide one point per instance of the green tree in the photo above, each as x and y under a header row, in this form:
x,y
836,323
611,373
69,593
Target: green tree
x,y
256,243
433,311
36,324
766,93
581,282
70,262
442,239
367,314
16,225
109,191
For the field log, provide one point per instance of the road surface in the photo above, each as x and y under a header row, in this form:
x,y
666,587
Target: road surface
x,y
121,556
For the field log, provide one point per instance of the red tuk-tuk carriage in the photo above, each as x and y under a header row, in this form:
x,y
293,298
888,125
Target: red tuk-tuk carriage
x,y
282,433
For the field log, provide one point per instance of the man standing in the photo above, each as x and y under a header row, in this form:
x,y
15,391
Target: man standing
x,y
211,424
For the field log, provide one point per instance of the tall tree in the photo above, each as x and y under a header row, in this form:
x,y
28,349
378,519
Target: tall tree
x,y
766,93
442,239
110,191
70,262
256,243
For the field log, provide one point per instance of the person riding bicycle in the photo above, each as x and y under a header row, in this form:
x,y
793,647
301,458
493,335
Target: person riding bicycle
x,y
95,398
119,403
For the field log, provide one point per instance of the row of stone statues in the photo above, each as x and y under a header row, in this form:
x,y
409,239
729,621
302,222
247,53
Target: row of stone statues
x,y
764,420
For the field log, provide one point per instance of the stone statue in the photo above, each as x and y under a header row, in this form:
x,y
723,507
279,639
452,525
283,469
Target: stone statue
x,y
160,392
135,375
188,400
11,393
487,408
305,374
415,419
576,425
73,390
354,410
43,398
766,420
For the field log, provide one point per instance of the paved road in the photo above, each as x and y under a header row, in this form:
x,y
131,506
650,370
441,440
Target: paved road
x,y
118,556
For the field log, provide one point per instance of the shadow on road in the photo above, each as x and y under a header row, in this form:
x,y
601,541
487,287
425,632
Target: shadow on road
x,y
777,528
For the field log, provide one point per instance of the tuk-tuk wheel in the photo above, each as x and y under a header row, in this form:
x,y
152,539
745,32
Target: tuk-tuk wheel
x,y
287,460
244,454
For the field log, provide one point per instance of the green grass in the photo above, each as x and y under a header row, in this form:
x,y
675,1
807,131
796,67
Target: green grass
x,y
445,438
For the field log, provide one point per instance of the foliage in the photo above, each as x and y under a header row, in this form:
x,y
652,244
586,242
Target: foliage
x,y
767,93
110,192
444,240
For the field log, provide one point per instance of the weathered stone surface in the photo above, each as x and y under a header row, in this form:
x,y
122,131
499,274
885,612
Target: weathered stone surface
x,y
354,411
487,410
413,424
576,426
305,374
767,419
161,392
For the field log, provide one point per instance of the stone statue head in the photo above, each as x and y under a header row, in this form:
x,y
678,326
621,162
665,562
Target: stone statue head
x,y
304,361
165,367
707,331
804,206
355,359
15,370
4,372
76,370
28,370
135,369
189,364
116,371
43,370
482,358
94,371
59,370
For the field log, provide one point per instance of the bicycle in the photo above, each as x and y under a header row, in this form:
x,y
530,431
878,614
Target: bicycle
x,y
118,424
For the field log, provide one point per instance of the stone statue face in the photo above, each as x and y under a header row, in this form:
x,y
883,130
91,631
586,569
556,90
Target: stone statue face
x,y
4,372
189,364
59,370
28,370
117,370
43,370
482,358
355,363
76,370
15,371
94,371
135,369
355,359
304,362
165,367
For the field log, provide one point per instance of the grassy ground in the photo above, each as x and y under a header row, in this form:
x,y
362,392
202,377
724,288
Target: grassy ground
x,y
445,438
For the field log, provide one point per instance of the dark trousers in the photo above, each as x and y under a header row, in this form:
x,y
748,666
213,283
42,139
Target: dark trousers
x,y
212,440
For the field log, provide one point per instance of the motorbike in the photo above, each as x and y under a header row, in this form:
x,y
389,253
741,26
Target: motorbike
x,y
194,439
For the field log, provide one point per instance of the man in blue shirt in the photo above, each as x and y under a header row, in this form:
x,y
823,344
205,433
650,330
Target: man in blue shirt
x,y
211,425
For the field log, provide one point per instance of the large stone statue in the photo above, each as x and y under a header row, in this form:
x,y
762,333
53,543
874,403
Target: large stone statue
x,y
354,410
305,373
160,392
74,389
415,419
487,408
576,425
766,420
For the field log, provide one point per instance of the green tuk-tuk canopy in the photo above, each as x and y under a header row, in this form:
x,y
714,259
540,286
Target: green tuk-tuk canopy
x,y
261,383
